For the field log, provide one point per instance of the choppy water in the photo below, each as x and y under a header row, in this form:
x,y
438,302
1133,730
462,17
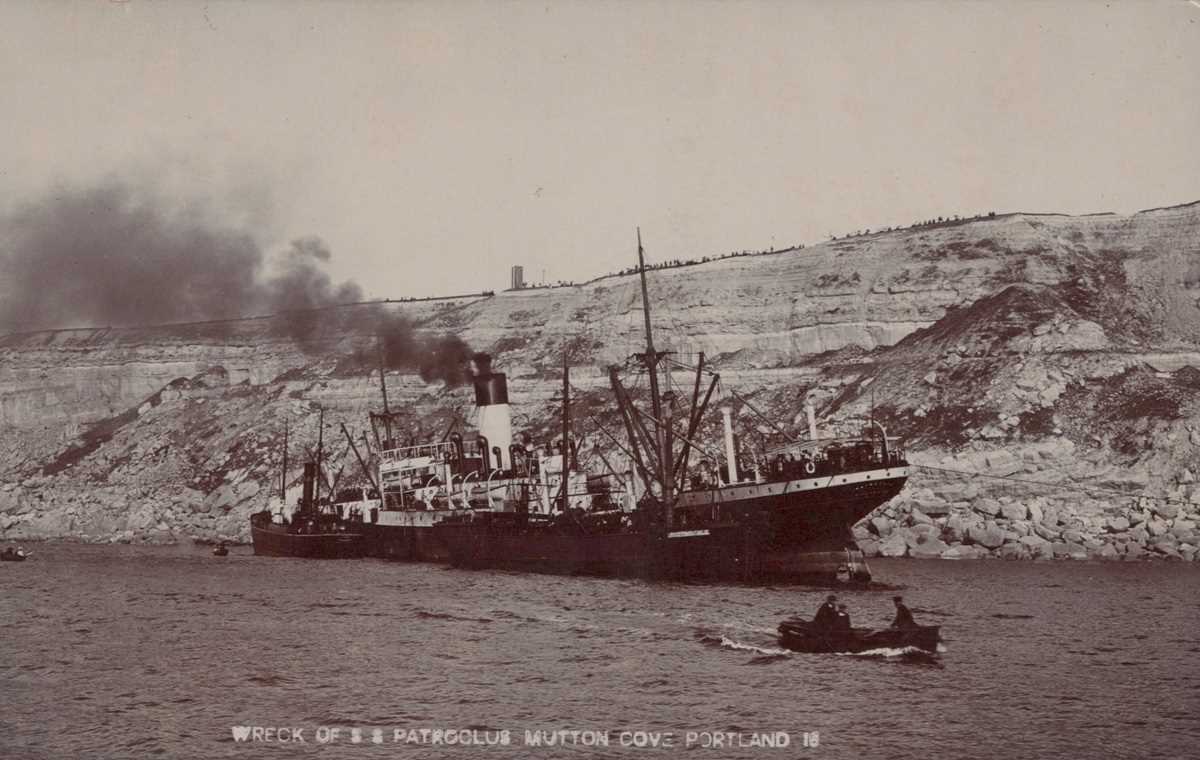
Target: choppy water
x,y
140,652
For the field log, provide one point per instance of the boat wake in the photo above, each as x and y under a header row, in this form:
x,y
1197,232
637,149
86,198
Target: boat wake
x,y
900,654
724,642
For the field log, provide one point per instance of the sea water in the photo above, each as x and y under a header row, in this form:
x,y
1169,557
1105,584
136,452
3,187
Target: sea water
x,y
120,651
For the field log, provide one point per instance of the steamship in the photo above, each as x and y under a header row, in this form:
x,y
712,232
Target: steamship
x,y
315,530
784,514
425,484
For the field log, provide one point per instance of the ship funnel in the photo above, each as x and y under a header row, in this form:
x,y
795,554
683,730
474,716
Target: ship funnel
x,y
730,447
310,479
491,401
811,413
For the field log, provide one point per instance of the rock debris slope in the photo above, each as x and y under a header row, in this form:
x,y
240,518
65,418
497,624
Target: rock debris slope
x,y
1042,370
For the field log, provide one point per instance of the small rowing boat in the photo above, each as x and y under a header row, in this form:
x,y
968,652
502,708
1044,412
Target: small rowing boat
x,y
803,636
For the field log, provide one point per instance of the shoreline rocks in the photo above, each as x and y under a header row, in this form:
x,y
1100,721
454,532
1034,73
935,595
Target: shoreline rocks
x,y
1033,528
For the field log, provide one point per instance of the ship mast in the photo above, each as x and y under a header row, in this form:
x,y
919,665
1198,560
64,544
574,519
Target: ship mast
x,y
387,413
320,450
283,475
662,441
566,432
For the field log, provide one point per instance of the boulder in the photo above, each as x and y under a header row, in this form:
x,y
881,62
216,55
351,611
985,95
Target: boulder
x,y
1014,511
917,517
1156,527
1183,528
1039,548
1003,462
13,501
1134,551
989,535
1077,551
1036,514
248,489
963,551
928,547
934,506
955,529
1049,534
924,529
1166,548
986,506
1108,552
880,526
1013,552
1117,524
893,546
1167,509
869,548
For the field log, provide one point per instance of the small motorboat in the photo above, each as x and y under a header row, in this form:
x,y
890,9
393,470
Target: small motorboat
x,y
13,555
220,551
803,636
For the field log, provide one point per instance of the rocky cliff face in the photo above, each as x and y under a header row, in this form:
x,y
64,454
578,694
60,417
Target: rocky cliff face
x,y
1061,347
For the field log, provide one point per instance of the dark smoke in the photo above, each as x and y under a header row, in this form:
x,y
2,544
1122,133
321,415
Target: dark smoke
x,y
434,357
105,256
302,287
115,255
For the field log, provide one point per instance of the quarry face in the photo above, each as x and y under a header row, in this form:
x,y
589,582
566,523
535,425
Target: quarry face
x,y
1022,347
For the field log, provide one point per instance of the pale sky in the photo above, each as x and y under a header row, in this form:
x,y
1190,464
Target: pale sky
x,y
434,144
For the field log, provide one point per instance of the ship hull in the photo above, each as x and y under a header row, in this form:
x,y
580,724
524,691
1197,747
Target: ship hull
x,y
404,543
275,541
751,533
407,535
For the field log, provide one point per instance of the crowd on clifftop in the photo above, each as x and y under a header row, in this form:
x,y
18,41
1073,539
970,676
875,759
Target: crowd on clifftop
x,y
941,221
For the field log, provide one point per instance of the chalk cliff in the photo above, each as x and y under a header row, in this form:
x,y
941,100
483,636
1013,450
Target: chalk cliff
x,y
1032,347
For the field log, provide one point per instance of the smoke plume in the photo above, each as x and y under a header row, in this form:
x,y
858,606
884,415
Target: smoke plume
x,y
116,255
302,288
105,256
434,357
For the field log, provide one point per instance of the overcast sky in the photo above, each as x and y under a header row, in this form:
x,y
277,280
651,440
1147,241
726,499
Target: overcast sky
x,y
434,144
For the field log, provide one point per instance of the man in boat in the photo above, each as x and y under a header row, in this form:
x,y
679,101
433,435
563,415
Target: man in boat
x,y
904,618
826,613
841,624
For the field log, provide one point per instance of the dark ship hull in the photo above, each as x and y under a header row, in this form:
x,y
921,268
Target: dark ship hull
x,y
279,540
405,543
785,531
